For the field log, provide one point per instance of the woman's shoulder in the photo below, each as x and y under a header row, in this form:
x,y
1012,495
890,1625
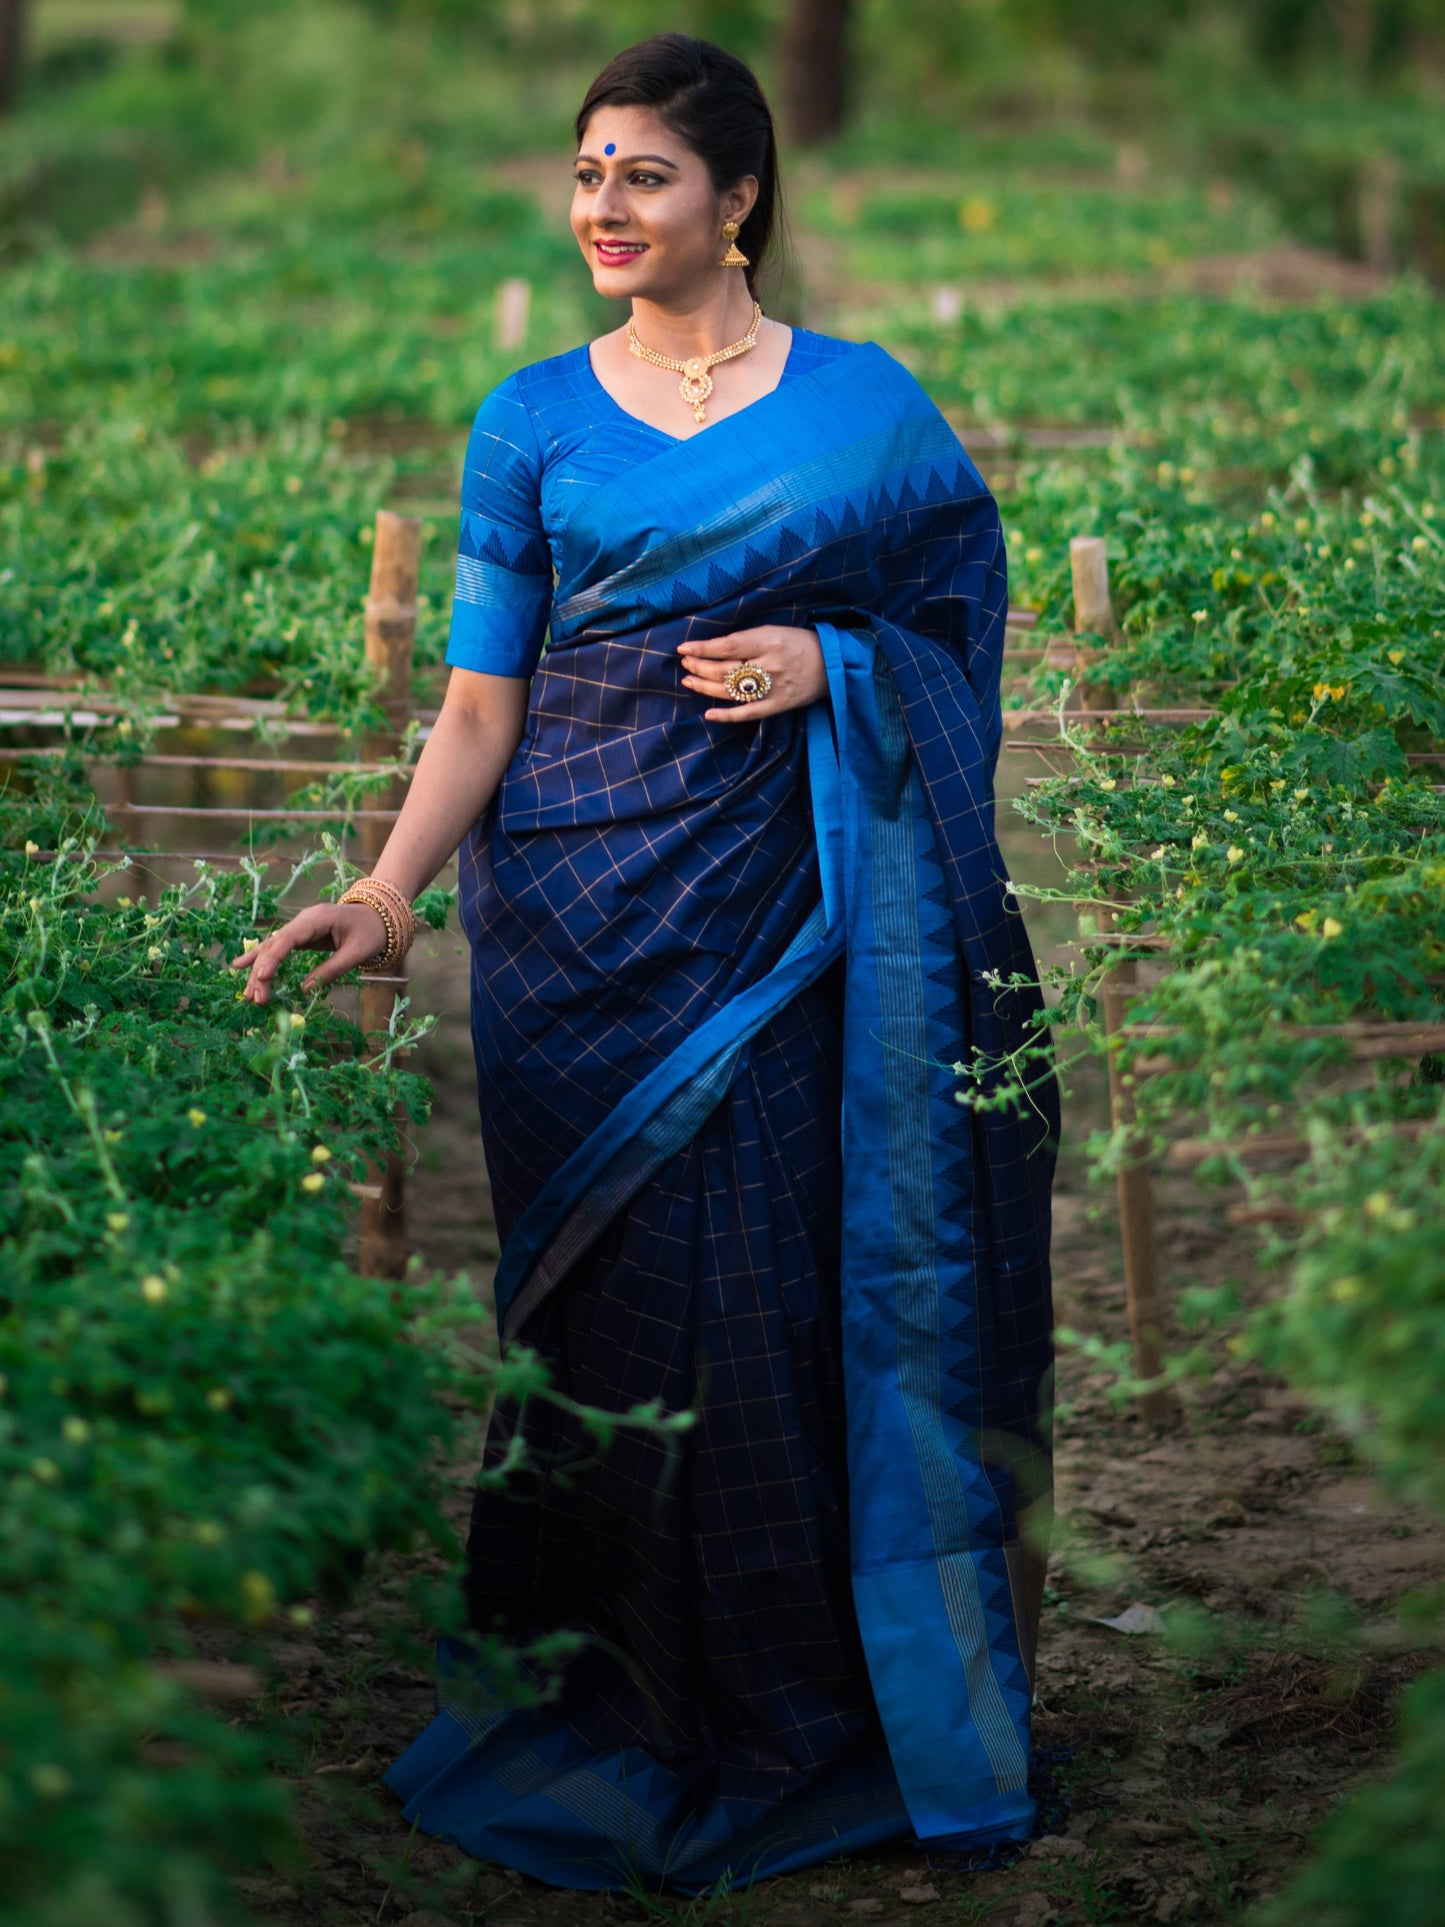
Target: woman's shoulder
x,y
541,382
536,391
812,345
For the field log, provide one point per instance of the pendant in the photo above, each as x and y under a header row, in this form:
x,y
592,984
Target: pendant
x,y
696,384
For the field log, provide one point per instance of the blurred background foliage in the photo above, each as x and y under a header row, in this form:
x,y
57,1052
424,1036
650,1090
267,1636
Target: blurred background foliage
x,y
1296,93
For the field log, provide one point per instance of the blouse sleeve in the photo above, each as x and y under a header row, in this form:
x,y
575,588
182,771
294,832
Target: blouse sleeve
x,y
504,564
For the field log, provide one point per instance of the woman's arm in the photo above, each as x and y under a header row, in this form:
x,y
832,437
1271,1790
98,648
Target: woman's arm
x,y
456,777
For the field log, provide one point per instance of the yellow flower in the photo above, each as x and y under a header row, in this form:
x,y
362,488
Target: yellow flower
x,y
1378,1204
320,1154
1300,795
153,1288
1155,855
1108,783
258,1597
116,1221
1200,842
1234,853
32,849
197,1118
112,1137
1331,928
1033,555
1307,919
1337,690
313,1181
1321,692
1420,543
1231,816
1166,782
1396,656
975,215
75,1430
154,954
293,484
1276,782
1201,615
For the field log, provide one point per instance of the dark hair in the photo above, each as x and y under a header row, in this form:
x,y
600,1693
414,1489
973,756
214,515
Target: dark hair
x,y
712,100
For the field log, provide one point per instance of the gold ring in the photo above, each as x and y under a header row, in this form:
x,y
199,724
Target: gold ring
x,y
747,682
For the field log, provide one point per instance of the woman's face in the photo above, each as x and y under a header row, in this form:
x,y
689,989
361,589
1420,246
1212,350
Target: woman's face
x,y
644,210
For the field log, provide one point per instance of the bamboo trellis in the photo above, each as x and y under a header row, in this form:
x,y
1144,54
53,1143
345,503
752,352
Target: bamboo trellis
x,y
30,700
1364,1041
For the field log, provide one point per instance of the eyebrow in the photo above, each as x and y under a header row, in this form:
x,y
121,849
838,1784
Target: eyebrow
x,y
631,158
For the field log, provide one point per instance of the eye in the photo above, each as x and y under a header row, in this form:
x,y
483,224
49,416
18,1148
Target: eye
x,y
643,174
585,174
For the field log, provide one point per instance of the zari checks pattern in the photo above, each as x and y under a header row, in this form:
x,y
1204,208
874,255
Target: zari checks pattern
x,y
775,1595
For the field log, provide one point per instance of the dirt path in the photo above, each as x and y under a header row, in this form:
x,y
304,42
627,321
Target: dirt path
x,y
1197,1778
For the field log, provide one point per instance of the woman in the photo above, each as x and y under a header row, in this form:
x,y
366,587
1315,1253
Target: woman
x,y
736,910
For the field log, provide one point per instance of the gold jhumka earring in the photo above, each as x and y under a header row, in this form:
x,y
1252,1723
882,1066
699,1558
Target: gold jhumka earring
x,y
734,258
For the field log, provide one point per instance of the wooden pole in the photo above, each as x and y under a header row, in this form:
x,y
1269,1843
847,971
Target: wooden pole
x,y
1093,615
390,638
513,304
1379,200
1136,1209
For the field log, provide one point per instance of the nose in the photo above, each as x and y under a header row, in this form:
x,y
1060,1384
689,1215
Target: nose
x,y
609,204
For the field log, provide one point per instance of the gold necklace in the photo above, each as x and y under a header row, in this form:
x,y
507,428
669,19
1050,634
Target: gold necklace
x,y
696,383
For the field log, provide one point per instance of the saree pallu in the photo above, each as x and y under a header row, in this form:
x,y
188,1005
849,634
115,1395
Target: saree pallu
x,y
729,981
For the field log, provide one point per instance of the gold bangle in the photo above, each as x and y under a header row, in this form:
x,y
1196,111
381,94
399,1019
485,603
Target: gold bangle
x,y
401,905
398,938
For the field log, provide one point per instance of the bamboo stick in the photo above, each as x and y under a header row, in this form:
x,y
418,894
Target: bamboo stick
x,y
1385,1036
1190,1152
1136,1215
1176,715
242,813
390,636
1093,615
512,311
258,764
1056,745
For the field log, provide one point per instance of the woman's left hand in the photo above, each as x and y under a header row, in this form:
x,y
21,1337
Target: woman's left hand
x,y
793,659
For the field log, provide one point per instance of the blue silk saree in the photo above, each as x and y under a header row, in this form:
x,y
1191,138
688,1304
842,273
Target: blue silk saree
x,y
730,985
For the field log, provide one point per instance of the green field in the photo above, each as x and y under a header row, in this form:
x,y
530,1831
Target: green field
x,y
248,279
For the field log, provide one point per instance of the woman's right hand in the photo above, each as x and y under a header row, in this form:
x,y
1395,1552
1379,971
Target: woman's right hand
x,y
352,932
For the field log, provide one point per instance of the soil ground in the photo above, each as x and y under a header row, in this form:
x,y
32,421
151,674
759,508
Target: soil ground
x,y
1198,1774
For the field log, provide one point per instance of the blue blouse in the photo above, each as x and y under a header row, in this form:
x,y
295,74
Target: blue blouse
x,y
544,435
